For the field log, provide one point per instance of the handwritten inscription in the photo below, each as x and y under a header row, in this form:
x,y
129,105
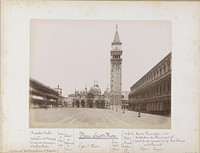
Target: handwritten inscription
x,y
42,140
154,141
47,141
115,146
63,141
85,147
89,141
96,135
127,142
69,142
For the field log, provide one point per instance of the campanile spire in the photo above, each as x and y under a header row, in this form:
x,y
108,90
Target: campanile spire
x,y
116,38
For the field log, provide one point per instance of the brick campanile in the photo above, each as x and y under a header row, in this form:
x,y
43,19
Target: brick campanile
x,y
116,73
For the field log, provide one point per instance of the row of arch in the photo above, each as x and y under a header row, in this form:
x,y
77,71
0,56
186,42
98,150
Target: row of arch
x,y
89,103
116,56
159,107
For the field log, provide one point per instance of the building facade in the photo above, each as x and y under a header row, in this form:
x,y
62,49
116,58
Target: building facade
x,y
125,99
116,73
59,90
62,101
42,95
92,98
152,93
70,100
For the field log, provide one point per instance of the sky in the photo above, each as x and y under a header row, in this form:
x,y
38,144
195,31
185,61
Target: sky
x,y
75,53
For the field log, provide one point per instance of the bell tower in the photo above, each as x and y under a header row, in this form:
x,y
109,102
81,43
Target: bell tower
x,y
116,73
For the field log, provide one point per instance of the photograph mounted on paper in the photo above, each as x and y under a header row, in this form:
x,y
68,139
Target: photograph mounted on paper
x,y
100,74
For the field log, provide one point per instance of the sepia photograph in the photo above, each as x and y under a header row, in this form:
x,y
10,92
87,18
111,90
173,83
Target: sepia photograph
x,y
100,74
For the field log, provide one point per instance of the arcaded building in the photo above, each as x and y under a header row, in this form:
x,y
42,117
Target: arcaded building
x,y
42,95
152,93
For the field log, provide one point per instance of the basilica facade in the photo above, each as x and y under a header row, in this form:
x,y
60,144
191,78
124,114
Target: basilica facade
x,y
92,98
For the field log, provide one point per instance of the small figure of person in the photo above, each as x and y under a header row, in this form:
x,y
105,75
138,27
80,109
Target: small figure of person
x,y
139,114
46,105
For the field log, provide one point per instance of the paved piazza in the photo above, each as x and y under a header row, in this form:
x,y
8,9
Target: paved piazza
x,y
95,118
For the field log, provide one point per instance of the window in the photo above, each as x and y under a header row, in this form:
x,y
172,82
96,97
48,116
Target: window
x,y
169,86
160,71
160,88
164,87
164,68
169,65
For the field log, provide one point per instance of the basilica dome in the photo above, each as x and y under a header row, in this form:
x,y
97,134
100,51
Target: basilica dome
x,y
106,92
95,90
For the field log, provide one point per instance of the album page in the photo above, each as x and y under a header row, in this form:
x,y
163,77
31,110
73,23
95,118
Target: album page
x,y
100,76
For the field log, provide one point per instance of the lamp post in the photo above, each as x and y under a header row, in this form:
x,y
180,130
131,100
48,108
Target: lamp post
x,y
123,107
139,112
139,109
112,105
116,105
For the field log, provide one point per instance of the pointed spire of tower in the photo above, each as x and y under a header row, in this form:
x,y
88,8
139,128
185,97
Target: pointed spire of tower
x,y
116,38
